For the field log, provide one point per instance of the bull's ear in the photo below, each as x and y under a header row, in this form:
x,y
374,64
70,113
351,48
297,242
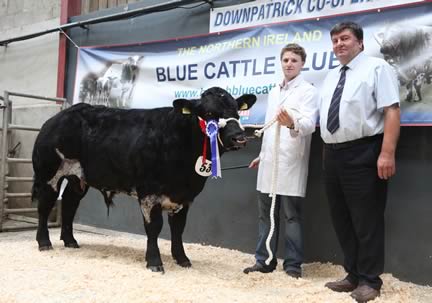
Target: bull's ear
x,y
246,101
183,106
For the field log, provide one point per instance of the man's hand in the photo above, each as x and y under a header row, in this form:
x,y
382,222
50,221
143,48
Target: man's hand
x,y
386,165
254,163
284,118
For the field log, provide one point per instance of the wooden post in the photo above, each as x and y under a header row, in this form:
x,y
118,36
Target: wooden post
x,y
68,8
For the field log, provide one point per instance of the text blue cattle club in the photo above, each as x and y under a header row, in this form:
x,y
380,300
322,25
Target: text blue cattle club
x,y
238,68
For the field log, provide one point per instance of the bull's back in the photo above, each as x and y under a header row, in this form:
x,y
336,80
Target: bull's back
x,y
152,150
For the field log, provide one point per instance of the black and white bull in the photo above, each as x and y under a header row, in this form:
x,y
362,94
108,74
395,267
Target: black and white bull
x,y
147,153
408,49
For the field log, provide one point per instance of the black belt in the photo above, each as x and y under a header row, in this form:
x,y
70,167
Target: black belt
x,y
352,143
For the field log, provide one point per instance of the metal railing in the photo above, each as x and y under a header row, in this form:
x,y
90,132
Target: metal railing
x,y
5,160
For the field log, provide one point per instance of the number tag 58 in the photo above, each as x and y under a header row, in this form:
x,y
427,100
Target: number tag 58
x,y
203,169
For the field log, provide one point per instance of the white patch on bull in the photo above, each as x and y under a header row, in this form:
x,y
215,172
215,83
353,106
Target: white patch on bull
x,y
170,206
203,169
68,167
149,201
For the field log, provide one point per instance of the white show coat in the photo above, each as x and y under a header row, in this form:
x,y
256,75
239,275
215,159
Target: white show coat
x,y
300,98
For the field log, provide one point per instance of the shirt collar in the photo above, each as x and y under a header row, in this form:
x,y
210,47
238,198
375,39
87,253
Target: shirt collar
x,y
355,61
293,83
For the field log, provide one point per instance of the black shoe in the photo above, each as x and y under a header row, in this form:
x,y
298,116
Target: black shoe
x,y
293,274
258,268
341,286
365,293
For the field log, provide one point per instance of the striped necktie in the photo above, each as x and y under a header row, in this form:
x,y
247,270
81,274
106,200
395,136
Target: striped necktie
x,y
333,113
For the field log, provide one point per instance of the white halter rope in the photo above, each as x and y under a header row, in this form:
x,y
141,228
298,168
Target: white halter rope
x,y
223,122
259,133
272,194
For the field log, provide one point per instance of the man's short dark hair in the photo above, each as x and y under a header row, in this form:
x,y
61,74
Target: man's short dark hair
x,y
356,29
353,27
296,49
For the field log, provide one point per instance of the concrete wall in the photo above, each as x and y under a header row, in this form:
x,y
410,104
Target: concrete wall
x,y
15,14
29,67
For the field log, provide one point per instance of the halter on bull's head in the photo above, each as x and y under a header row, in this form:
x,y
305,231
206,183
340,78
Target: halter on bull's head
x,y
216,104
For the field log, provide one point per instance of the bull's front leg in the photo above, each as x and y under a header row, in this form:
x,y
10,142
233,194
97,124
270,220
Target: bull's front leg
x,y
153,221
177,222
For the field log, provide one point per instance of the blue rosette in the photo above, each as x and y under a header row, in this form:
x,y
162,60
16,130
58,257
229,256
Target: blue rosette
x,y
212,130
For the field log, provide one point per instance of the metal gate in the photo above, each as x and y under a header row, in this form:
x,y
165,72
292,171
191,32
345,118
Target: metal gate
x,y
5,161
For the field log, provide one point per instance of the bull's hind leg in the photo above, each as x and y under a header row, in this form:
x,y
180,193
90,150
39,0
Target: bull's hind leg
x,y
45,197
153,226
177,222
70,202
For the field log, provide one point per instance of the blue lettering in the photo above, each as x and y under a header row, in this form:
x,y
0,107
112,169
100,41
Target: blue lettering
x,y
193,71
160,74
311,7
269,5
288,10
261,13
227,17
321,4
246,15
236,16
254,12
276,10
218,21
283,7
179,76
168,75
323,61
268,65
206,72
234,67
223,71
254,71
299,7
180,73
246,63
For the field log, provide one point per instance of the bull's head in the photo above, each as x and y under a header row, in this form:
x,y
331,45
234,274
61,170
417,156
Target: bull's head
x,y
217,104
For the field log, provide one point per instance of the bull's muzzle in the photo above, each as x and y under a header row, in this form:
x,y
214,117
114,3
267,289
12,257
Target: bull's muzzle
x,y
238,142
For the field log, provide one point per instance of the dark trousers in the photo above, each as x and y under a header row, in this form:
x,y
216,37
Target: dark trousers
x,y
357,200
293,234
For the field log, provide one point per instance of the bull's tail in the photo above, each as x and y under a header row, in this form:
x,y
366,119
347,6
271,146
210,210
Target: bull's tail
x,y
35,191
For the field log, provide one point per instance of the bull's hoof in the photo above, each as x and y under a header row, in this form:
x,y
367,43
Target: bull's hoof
x,y
72,245
185,263
45,247
158,268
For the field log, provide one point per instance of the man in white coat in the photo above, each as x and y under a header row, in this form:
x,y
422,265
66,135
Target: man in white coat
x,y
295,104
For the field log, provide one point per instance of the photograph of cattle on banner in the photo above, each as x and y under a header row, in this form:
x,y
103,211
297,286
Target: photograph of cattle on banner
x,y
114,86
408,48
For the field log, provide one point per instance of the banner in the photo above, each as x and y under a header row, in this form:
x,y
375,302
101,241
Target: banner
x,y
263,12
244,61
